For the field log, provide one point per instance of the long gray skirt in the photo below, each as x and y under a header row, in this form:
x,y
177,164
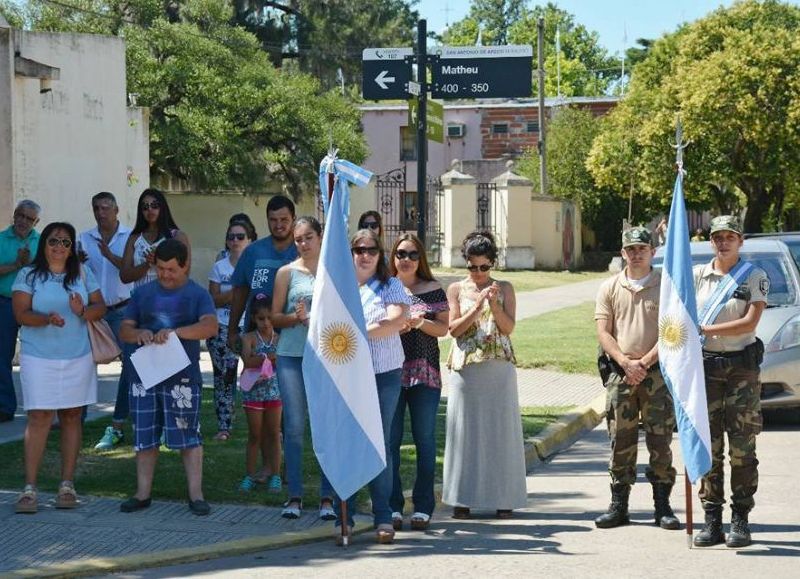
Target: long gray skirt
x,y
484,458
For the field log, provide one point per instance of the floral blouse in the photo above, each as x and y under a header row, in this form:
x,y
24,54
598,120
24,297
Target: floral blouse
x,y
482,342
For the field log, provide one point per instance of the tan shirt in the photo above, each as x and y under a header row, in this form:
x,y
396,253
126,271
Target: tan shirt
x,y
754,289
633,312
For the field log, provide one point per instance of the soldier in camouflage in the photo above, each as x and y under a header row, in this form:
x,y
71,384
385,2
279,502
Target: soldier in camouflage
x,y
731,358
626,314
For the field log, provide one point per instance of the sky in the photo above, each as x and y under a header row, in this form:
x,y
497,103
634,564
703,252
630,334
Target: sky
x,y
610,18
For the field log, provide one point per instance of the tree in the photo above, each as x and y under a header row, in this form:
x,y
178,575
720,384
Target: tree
x,y
221,115
572,131
733,77
586,67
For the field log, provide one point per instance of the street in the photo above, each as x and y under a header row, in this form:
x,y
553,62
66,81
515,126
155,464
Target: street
x,y
556,535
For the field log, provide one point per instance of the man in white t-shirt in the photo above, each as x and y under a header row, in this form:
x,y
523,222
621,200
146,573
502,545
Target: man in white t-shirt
x,y
101,250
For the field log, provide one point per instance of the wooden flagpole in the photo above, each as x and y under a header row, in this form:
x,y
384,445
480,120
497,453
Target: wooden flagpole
x,y
331,183
689,518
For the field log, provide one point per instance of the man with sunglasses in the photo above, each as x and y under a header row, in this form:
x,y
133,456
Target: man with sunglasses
x,y
18,244
101,249
626,314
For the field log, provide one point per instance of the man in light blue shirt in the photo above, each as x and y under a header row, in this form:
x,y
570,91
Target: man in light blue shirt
x,y
18,244
101,250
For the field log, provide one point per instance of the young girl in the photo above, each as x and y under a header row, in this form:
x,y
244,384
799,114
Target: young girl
x,y
261,398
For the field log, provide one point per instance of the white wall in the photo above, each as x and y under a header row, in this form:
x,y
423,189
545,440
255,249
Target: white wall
x,y
78,139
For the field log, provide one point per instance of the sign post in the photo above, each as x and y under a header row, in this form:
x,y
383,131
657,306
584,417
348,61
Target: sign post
x,y
456,72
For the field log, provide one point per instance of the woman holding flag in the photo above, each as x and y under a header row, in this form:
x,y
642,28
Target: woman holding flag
x,y
385,304
731,295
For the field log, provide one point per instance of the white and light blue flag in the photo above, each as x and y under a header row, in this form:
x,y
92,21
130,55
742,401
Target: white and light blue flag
x,y
346,170
680,353
337,367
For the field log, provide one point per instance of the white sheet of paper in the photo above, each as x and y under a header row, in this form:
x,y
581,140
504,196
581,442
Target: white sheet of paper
x,y
156,362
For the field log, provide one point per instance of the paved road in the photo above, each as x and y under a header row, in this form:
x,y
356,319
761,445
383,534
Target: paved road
x,y
555,535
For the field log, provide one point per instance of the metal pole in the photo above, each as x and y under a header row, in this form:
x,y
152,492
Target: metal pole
x,y
422,127
542,139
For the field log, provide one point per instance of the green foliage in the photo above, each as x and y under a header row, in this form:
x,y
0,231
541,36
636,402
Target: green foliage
x,y
733,77
586,67
221,115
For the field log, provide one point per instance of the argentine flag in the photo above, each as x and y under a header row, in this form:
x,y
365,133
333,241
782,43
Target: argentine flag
x,y
680,354
337,367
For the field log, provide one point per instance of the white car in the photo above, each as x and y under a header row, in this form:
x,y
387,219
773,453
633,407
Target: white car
x,y
779,327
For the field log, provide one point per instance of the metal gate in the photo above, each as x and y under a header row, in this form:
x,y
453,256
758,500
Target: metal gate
x,y
434,219
483,206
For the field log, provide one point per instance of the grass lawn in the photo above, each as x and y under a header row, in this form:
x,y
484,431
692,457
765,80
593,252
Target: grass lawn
x,y
113,473
564,341
525,280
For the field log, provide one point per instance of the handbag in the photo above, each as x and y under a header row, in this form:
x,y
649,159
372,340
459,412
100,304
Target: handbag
x,y
104,344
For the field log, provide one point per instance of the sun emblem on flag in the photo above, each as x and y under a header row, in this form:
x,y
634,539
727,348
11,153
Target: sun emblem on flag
x,y
339,343
671,333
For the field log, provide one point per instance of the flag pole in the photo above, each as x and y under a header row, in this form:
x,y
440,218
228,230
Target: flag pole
x,y
331,182
689,517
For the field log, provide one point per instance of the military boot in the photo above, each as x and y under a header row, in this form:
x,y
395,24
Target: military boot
x,y
665,518
617,514
739,535
712,531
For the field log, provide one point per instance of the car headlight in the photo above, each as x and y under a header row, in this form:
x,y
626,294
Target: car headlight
x,y
787,337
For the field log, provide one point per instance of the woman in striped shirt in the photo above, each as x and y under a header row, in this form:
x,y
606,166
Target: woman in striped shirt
x,y
385,304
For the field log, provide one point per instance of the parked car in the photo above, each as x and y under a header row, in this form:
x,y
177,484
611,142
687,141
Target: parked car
x,y
790,238
779,327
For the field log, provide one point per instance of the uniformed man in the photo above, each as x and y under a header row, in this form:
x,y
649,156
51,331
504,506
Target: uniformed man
x,y
731,295
626,314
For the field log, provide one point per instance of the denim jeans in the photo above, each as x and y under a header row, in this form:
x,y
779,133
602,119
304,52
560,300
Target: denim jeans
x,y
380,488
295,411
423,404
8,343
122,406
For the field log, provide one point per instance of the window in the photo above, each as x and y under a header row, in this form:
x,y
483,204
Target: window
x,y
532,127
499,128
408,144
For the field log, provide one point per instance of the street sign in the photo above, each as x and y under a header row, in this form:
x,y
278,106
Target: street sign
x,y
481,71
435,113
386,73
414,88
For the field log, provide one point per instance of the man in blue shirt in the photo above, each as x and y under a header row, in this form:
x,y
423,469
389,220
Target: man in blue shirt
x,y
172,303
256,269
18,244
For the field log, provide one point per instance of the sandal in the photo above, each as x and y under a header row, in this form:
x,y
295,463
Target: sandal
x,y
27,502
420,521
461,512
292,508
384,534
66,498
326,512
397,521
222,435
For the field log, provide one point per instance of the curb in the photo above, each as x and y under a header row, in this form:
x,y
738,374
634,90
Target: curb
x,y
564,432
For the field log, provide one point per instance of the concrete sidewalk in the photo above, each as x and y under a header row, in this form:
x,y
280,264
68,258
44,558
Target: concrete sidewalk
x,y
97,538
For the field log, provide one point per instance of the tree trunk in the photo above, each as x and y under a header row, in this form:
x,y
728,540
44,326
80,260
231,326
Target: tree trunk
x,y
756,207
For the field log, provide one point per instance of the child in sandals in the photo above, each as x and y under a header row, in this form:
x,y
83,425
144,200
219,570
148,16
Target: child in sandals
x,y
261,398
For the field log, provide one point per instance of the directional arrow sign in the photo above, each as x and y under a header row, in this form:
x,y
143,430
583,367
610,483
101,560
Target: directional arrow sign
x,y
385,73
482,72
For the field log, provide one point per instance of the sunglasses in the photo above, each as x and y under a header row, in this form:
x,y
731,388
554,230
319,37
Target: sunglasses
x,y
54,241
371,251
371,225
413,255
239,236
484,268
152,205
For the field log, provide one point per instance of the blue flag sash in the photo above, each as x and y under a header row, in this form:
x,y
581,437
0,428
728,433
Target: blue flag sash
x,y
724,291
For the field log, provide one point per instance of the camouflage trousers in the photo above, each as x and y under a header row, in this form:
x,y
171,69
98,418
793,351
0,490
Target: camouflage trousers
x,y
734,407
650,399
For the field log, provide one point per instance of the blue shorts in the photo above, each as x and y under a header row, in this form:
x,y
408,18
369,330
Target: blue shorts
x,y
172,407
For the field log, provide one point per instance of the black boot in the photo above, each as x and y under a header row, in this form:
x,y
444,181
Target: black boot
x,y
617,514
665,518
712,531
740,529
